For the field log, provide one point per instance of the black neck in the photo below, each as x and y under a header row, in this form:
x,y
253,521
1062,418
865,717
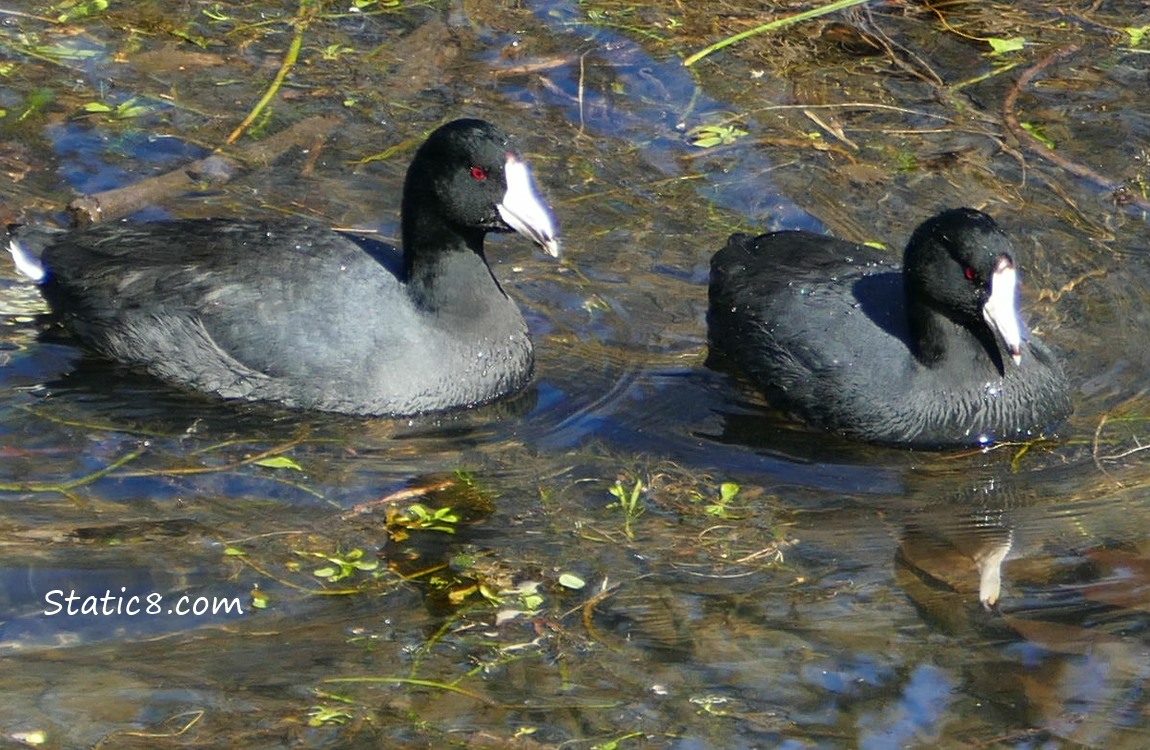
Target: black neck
x,y
939,339
444,267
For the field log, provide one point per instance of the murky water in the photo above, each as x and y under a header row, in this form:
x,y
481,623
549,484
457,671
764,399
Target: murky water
x,y
830,595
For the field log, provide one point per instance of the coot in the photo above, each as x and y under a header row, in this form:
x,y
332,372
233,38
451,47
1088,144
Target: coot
x,y
292,312
933,355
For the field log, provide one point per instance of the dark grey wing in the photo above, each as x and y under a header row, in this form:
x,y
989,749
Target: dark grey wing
x,y
197,301
797,313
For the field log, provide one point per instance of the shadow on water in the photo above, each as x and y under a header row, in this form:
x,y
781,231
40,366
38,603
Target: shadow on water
x,y
636,549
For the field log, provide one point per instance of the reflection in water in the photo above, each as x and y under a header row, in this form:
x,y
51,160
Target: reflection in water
x,y
974,543
960,543
84,165
1067,612
918,715
619,90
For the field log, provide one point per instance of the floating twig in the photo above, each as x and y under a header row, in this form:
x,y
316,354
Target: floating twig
x,y
216,169
1094,450
395,497
192,718
189,470
589,614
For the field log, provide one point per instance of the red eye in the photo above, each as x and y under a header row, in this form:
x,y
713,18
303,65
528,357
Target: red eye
x,y
478,173
970,274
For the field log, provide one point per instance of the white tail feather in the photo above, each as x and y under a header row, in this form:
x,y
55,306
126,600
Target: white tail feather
x,y
26,262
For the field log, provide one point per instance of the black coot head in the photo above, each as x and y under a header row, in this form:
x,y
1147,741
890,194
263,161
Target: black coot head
x,y
962,265
470,175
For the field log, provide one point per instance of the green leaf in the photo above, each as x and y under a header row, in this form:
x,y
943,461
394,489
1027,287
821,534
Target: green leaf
x,y
328,572
727,491
446,515
234,552
319,716
463,561
62,52
216,13
706,136
1137,34
82,10
1037,132
1002,46
279,462
571,581
130,109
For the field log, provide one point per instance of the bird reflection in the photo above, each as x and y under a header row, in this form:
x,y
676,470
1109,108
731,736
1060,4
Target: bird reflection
x,y
961,550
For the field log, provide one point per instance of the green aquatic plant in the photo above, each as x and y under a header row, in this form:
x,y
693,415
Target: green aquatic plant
x,y
278,462
469,578
706,136
630,502
420,517
615,743
571,581
334,52
721,506
341,565
1039,134
63,52
711,705
216,13
36,103
1002,46
75,10
319,716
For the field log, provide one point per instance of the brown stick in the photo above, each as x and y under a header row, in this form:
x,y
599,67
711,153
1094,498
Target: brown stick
x,y
216,169
1118,189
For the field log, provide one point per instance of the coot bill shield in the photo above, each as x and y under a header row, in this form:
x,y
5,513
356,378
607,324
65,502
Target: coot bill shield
x,y
288,311
932,355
